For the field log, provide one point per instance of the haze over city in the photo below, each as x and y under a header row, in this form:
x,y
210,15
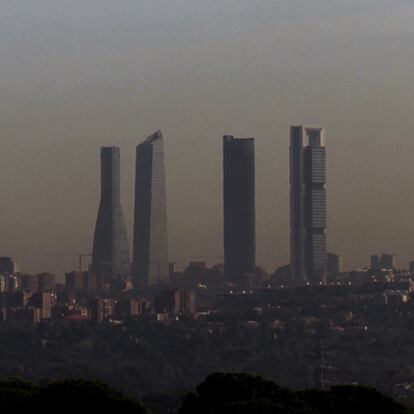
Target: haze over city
x,y
77,75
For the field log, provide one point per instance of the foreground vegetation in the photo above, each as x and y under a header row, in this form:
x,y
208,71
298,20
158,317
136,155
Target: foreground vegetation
x,y
248,394
233,393
143,357
70,395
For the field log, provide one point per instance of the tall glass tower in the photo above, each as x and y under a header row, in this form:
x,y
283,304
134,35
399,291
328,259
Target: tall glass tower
x,y
308,211
150,252
239,210
110,254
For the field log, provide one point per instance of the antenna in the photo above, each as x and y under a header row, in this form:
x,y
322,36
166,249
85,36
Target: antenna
x,y
320,370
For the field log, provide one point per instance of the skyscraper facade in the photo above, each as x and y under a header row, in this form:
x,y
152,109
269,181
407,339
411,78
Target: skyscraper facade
x,y
150,251
239,210
334,266
308,212
110,254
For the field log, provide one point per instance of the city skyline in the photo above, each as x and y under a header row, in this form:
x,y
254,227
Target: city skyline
x,y
218,189
75,78
157,136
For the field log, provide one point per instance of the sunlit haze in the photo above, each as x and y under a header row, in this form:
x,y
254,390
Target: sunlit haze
x,y
77,75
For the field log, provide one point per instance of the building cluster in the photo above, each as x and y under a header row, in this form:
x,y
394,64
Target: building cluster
x,y
120,284
149,268
35,298
26,297
337,303
150,262
111,253
347,323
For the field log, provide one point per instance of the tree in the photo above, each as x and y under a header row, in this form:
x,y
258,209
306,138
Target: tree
x,y
252,394
16,394
70,395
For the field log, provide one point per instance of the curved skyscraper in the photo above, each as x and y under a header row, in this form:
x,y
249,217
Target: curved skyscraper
x,y
150,252
110,254
308,204
239,210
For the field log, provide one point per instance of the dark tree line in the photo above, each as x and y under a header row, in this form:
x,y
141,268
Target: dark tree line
x,y
249,394
70,395
232,393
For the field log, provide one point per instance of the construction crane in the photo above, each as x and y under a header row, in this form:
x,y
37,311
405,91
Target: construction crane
x,y
80,256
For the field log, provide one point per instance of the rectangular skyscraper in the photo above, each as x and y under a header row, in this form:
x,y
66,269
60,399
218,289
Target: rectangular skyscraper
x,y
334,266
110,255
308,212
239,210
150,253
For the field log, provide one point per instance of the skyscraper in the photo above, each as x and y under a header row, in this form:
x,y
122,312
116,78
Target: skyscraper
x,y
334,266
7,265
308,204
150,253
110,254
382,261
239,210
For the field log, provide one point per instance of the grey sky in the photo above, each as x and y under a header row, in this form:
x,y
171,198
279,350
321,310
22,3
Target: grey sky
x,y
79,74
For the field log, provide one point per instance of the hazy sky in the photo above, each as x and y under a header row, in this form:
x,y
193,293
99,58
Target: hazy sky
x,y
79,74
